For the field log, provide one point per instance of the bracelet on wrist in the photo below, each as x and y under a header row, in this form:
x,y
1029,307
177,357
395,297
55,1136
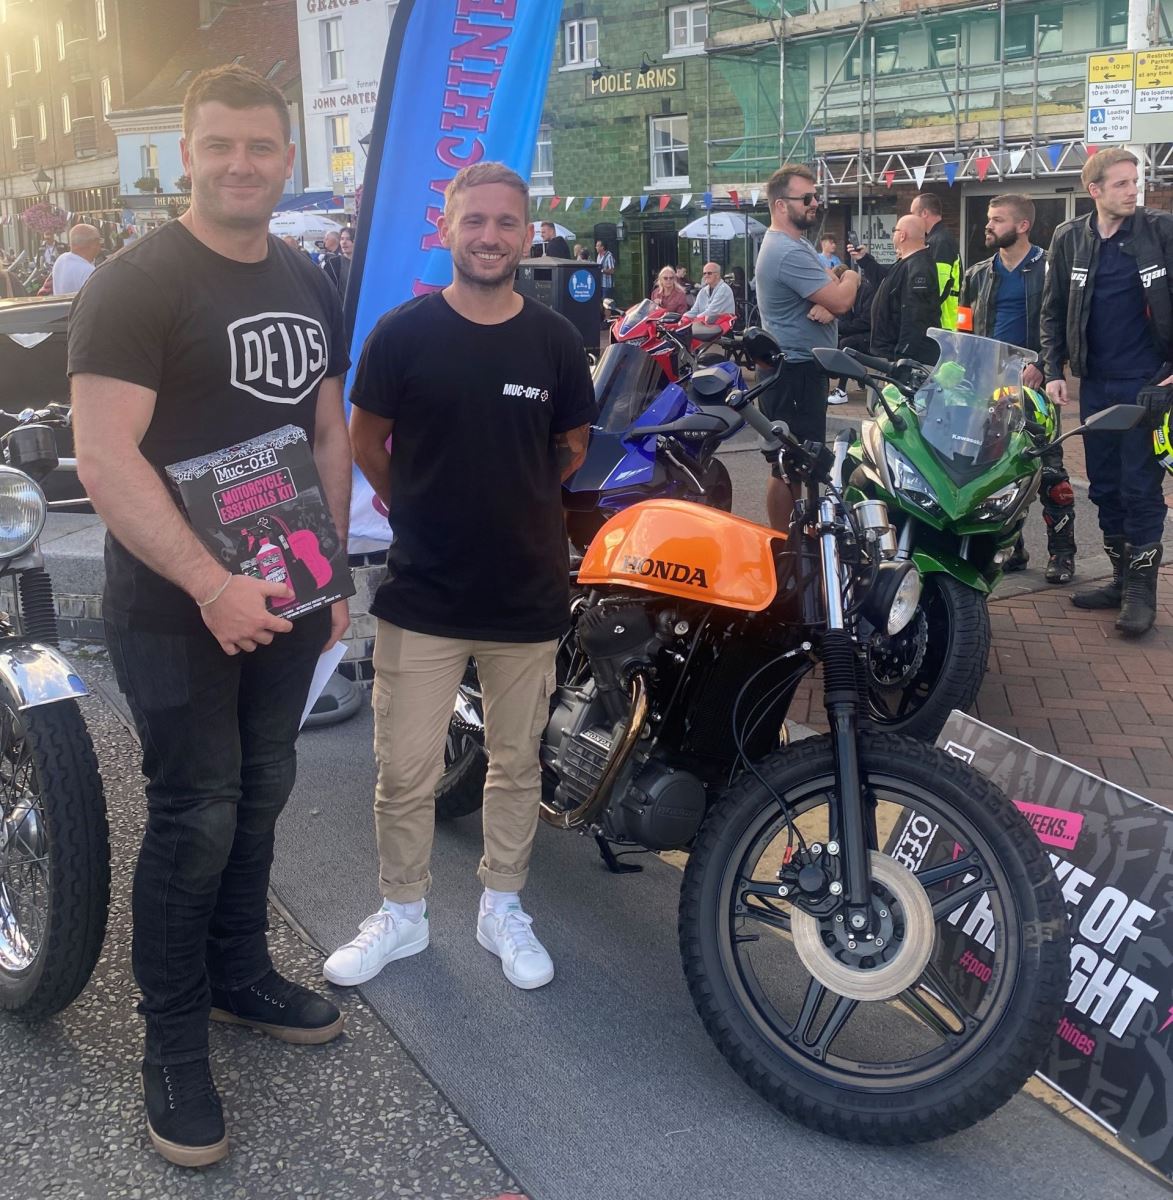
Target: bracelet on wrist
x,y
217,593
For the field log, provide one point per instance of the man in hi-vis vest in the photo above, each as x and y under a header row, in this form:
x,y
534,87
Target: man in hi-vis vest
x,y
946,254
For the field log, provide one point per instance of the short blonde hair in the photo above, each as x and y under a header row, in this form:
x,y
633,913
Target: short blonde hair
x,y
1099,164
479,174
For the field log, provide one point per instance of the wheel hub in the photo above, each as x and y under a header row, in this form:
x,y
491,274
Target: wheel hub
x,y
894,661
887,960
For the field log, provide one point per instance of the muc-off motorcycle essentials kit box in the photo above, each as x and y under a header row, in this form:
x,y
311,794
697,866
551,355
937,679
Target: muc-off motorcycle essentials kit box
x,y
259,508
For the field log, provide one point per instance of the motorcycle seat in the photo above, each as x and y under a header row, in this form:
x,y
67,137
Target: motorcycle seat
x,y
705,333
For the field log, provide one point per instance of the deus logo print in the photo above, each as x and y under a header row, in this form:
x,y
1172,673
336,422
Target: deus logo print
x,y
279,357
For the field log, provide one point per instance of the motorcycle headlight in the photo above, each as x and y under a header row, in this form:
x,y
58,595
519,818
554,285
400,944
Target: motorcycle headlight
x,y
909,481
22,512
999,503
894,597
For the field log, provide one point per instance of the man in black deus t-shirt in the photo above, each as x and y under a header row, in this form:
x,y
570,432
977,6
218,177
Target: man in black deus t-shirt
x,y
488,399
163,353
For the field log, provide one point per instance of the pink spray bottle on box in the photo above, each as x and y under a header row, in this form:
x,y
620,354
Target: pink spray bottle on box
x,y
273,568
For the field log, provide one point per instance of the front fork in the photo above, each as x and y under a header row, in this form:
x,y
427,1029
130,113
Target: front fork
x,y
848,833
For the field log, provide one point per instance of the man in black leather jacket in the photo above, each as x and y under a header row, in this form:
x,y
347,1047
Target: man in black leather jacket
x,y
1108,314
1005,295
908,300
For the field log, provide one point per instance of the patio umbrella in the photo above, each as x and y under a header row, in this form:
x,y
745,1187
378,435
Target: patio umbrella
x,y
724,227
303,225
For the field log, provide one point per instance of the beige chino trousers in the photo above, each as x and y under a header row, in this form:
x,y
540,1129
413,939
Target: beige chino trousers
x,y
416,680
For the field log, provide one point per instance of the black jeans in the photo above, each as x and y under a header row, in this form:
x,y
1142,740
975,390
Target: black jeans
x,y
218,734
1125,479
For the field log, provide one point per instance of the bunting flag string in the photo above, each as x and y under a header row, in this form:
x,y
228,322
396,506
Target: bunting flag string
x,y
1016,157
624,203
982,164
919,173
735,198
643,201
889,178
1055,154
755,196
554,202
686,200
951,172
568,202
606,200
665,200
587,202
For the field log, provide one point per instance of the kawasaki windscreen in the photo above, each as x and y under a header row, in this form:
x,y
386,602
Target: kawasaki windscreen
x,y
463,81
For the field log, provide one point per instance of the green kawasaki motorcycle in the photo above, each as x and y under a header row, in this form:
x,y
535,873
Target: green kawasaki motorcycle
x,y
953,451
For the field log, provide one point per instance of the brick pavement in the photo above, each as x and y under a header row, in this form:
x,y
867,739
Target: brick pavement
x,y
1064,681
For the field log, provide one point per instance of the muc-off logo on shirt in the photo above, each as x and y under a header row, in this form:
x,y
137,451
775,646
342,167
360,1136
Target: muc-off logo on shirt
x,y
526,393
279,357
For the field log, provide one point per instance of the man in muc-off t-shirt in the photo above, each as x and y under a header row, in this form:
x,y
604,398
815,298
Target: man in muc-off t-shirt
x,y
488,399
165,352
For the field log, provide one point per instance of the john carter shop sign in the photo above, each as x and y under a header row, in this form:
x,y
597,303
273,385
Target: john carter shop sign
x,y
626,83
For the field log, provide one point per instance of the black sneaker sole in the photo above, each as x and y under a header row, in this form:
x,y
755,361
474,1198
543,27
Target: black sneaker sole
x,y
188,1156
284,1033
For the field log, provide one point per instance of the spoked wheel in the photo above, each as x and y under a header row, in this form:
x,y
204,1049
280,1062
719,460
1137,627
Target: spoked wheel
x,y
935,664
461,787
54,857
933,1021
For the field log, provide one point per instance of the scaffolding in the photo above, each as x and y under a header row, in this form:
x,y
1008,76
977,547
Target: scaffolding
x,y
818,81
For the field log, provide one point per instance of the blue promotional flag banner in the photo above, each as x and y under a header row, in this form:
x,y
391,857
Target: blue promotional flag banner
x,y
458,87
951,172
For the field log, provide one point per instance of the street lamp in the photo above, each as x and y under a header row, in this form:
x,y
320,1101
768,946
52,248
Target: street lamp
x,y
42,181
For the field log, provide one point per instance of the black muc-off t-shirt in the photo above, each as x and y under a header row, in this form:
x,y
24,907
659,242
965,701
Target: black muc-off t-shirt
x,y
479,546
232,350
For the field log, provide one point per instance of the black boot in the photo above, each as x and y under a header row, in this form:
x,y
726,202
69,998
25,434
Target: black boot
x,y
184,1118
1060,521
1018,557
1110,594
1139,609
280,1008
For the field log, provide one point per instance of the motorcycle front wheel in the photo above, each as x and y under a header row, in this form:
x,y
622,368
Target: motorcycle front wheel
x,y
974,959
917,677
460,791
54,857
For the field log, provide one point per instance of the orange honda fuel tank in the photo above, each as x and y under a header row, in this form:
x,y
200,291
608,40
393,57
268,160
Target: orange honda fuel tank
x,y
681,549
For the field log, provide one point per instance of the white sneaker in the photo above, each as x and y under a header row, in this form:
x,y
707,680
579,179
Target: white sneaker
x,y
508,935
382,938
838,396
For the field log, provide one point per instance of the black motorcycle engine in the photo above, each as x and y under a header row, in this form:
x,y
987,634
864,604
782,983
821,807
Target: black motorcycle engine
x,y
619,640
662,808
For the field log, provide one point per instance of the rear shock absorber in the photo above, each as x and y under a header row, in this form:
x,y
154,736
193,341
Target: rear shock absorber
x,y
38,617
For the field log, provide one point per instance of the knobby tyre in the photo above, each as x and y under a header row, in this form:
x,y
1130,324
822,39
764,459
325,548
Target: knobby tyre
x,y
460,791
936,664
955,1044
55,880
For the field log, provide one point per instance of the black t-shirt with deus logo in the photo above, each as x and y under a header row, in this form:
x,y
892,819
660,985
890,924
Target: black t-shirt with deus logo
x,y
232,350
479,546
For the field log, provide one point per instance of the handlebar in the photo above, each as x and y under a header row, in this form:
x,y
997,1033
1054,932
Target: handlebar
x,y
55,414
871,361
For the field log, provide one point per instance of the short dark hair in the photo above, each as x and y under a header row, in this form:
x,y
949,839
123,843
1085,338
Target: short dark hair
x,y
235,87
1023,207
929,201
482,173
828,237
779,183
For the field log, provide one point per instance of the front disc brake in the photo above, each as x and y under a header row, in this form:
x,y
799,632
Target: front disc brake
x,y
892,958
894,661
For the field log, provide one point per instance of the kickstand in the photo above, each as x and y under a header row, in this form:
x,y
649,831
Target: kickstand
x,y
611,859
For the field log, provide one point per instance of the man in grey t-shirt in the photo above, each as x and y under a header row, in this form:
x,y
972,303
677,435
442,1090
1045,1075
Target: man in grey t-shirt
x,y
799,300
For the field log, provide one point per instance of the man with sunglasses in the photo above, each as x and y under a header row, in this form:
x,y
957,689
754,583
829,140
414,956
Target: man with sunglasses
x,y
799,299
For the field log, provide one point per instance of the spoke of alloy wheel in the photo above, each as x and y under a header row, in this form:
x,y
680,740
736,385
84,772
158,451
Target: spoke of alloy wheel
x,y
841,1010
938,995
950,870
767,917
955,900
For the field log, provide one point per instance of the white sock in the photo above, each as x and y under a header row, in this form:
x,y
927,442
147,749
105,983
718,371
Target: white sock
x,y
405,912
500,902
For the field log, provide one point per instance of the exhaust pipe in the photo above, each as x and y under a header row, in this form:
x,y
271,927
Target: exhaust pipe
x,y
593,805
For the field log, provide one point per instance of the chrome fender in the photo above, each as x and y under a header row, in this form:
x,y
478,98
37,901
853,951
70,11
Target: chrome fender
x,y
37,674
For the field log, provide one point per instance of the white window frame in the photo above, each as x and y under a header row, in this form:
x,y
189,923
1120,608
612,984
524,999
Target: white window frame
x,y
37,64
665,181
100,18
107,96
325,26
60,41
66,121
333,146
542,184
692,45
576,41
43,121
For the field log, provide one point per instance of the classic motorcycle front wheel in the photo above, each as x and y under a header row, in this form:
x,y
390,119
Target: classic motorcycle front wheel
x,y
902,1038
54,857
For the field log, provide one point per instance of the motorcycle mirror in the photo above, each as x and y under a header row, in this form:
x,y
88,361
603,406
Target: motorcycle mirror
x,y
835,362
1115,419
